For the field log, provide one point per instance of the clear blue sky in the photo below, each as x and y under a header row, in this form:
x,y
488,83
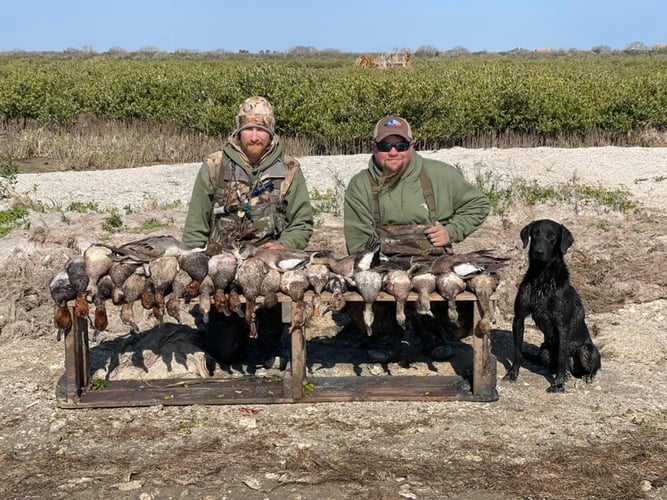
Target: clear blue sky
x,y
350,26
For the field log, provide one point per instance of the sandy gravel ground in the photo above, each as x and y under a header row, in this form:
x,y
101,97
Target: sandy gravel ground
x,y
601,440
631,168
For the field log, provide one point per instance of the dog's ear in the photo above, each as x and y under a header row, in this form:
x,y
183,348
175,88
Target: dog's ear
x,y
566,239
525,234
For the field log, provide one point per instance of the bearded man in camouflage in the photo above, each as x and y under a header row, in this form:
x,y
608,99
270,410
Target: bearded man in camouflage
x,y
413,205
250,191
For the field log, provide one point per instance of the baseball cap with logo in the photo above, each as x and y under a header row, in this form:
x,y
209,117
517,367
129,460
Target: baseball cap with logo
x,y
392,125
257,112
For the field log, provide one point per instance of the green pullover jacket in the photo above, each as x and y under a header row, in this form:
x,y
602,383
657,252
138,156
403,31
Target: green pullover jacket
x,y
299,211
460,207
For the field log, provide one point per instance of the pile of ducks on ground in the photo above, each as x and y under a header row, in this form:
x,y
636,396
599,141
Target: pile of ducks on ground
x,y
162,273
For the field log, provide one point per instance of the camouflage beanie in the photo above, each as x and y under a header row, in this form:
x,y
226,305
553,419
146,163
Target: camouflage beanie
x,y
257,112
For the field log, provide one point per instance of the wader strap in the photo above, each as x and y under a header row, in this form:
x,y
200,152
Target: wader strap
x,y
427,188
375,195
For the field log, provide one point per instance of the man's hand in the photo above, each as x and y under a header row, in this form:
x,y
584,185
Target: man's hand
x,y
437,235
274,245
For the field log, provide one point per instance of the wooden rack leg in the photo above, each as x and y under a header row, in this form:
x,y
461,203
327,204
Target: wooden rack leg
x,y
77,375
293,380
298,362
480,349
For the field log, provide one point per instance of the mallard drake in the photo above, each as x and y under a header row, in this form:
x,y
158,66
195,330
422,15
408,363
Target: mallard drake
x,y
222,270
249,276
103,291
62,292
76,273
318,276
149,248
280,259
397,283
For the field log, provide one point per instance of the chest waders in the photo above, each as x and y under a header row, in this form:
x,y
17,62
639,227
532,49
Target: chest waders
x,y
406,239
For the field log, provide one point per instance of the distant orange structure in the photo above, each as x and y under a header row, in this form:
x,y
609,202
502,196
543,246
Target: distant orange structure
x,y
383,61
366,61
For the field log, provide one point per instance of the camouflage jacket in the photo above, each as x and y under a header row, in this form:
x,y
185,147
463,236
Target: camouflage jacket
x,y
225,184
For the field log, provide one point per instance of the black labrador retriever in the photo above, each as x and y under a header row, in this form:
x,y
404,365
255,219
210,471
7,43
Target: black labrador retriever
x,y
546,294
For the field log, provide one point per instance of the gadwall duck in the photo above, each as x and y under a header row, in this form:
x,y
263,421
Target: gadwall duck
x,y
222,270
318,275
396,283
249,276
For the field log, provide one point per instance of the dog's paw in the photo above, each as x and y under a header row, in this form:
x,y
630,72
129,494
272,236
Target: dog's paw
x,y
553,388
511,376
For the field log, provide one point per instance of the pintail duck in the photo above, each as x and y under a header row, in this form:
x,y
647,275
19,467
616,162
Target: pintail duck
x,y
147,249
468,264
368,281
483,285
280,259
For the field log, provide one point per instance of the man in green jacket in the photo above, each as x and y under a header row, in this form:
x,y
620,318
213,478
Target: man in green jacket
x,y
252,192
413,205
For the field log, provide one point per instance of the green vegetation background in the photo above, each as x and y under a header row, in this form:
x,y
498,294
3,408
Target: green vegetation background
x,y
334,103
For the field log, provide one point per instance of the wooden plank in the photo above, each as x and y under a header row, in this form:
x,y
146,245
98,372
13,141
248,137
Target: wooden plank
x,y
256,390
72,389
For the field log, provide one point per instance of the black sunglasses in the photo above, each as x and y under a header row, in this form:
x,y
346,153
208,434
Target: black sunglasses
x,y
385,147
